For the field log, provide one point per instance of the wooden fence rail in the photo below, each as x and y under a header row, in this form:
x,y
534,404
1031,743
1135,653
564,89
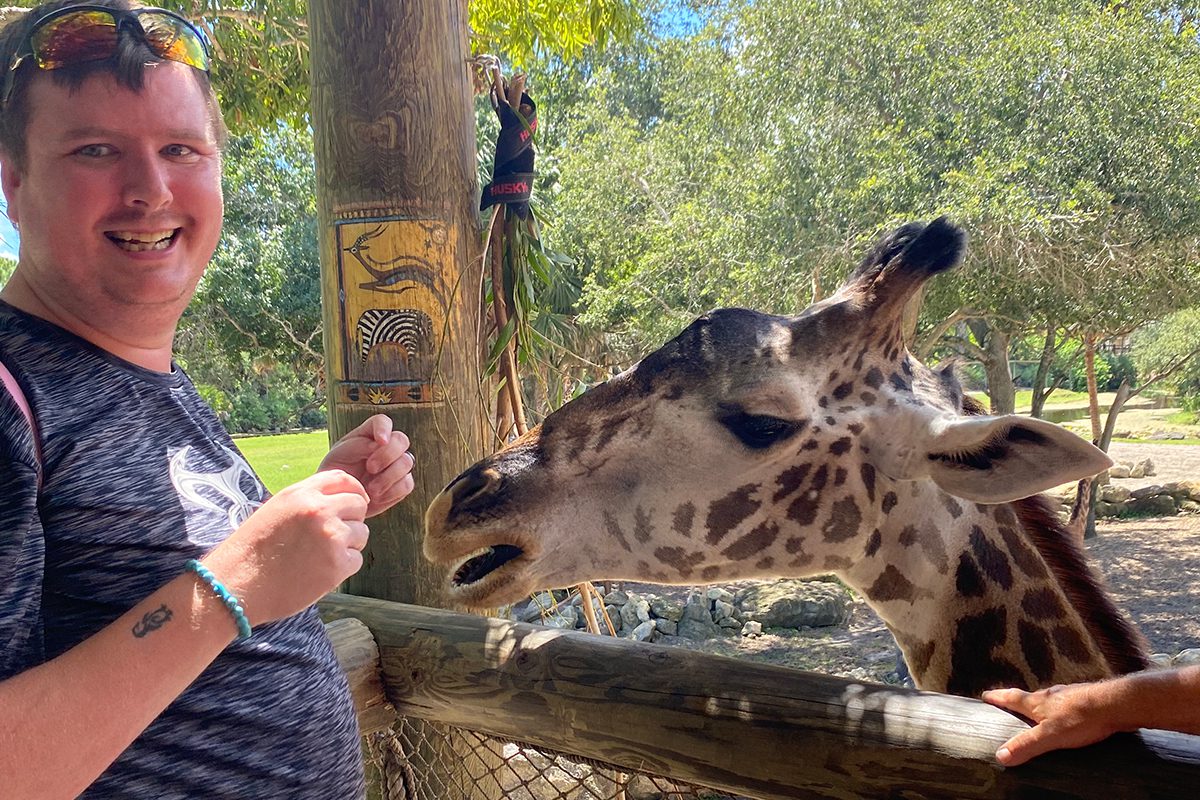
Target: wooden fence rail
x,y
742,727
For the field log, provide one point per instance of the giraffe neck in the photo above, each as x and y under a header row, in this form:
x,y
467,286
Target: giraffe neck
x,y
975,603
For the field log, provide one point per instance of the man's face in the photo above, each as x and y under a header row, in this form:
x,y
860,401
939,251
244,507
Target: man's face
x,y
119,201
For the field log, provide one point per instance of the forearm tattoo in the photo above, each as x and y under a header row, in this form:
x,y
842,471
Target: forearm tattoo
x,y
152,621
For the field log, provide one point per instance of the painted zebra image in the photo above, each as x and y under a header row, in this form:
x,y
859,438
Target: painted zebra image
x,y
409,328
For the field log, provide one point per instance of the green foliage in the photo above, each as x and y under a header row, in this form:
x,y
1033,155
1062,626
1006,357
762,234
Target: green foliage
x,y
739,165
523,30
253,330
261,53
7,266
1173,344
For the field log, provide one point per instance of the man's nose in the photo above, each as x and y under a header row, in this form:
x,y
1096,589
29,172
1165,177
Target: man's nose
x,y
147,183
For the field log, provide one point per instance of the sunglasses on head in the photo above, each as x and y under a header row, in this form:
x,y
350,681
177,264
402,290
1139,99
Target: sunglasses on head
x,y
82,33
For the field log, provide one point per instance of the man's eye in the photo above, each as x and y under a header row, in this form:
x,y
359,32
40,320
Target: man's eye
x,y
178,150
759,431
94,150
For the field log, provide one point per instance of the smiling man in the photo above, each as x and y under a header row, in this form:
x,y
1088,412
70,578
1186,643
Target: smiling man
x,y
157,635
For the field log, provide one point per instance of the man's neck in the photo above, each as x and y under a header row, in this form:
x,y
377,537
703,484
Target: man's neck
x,y
139,340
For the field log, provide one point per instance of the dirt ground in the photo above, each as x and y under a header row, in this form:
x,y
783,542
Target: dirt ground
x,y
1151,567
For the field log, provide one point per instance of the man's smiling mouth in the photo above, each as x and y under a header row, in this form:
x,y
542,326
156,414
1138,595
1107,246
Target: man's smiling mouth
x,y
135,242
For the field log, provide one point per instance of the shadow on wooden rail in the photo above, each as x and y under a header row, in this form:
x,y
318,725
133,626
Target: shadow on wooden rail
x,y
766,731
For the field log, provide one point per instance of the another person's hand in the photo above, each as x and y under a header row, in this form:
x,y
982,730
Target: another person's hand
x,y
379,458
1068,716
296,548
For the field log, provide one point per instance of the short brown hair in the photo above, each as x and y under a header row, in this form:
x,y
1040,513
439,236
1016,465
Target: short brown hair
x,y
127,66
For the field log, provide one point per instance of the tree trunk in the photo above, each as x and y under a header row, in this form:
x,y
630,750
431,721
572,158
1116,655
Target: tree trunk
x,y
1041,377
394,135
1089,363
994,344
1106,436
395,143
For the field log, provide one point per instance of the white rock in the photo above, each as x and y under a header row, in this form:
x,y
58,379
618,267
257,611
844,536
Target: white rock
x,y
752,629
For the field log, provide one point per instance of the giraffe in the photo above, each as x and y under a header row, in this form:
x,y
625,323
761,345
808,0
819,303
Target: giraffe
x,y
761,446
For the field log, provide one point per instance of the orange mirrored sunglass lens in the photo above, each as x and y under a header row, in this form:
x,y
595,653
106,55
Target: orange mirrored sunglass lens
x,y
83,36
167,38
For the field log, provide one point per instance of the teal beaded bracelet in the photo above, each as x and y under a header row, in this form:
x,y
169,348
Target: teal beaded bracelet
x,y
231,602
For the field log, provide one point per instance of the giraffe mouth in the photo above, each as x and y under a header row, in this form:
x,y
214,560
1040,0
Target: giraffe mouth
x,y
484,563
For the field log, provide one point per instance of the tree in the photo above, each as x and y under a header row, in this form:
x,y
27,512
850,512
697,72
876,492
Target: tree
x,y
776,141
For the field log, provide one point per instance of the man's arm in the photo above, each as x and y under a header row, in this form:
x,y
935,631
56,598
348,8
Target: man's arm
x,y
64,722
1083,713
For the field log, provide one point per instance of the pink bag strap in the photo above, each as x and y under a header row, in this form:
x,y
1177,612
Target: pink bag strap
x,y
14,389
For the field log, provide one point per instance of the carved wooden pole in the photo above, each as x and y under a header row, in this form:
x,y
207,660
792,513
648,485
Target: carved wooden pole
x,y
396,187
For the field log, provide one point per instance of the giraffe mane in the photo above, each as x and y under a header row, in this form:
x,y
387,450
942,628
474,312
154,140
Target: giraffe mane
x,y
1122,645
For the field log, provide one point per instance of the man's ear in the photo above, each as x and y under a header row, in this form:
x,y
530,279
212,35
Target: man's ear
x,y
10,181
989,459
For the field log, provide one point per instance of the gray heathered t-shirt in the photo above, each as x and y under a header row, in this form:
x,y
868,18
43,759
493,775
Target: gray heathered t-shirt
x,y
138,477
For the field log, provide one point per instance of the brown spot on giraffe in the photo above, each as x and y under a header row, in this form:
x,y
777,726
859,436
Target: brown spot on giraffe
x,y
730,511
830,421
919,655
683,518
889,502
1071,644
765,563
892,585
839,476
867,398
873,378
710,573
843,522
842,391
790,480
1043,604
841,446
1027,560
811,444
683,561
973,667
931,545
837,563
1035,644
753,543
867,473
968,580
873,543
819,479
643,530
991,558
614,530
855,428
952,505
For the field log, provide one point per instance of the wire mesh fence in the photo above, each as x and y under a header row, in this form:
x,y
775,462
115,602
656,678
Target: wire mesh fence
x,y
419,760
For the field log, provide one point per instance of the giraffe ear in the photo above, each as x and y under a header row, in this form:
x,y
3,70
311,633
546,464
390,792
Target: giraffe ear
x,y
994,459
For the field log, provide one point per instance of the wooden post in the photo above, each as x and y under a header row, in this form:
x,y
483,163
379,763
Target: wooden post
x,y
394,134
396,188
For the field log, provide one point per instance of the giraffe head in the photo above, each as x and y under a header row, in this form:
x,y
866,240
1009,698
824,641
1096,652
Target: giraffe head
x,y
750,445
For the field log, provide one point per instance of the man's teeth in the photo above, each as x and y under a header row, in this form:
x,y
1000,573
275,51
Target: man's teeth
x,y
138,242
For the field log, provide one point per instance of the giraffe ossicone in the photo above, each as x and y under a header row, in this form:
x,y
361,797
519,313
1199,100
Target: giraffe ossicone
x,y
761,446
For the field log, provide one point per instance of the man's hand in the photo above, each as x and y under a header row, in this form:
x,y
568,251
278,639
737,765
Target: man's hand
x,y
1065,716
298,546
378,457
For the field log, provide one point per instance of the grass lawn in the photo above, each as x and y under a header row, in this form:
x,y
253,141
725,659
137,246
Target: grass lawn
x,y
1059,397
286,458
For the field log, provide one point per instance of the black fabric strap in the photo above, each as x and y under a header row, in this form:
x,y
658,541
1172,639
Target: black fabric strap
x,y
512,169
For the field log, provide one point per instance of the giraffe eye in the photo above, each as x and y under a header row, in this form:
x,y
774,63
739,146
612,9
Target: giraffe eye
x,y
759,431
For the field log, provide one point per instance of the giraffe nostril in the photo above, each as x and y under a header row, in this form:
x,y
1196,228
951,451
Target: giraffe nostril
x,y
476,487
